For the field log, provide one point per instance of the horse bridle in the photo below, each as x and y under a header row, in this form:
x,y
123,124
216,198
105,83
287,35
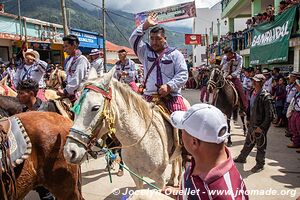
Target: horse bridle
x,y
106,115
214,84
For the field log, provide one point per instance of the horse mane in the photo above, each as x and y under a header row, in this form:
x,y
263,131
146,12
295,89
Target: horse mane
x,y
10,105
133,100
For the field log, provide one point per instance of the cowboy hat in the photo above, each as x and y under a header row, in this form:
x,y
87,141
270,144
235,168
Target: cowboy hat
x,y
95,52
32,52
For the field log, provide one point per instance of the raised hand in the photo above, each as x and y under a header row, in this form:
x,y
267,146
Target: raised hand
x,y
150,22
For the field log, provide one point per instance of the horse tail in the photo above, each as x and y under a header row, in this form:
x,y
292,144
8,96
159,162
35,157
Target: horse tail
x,y
7,175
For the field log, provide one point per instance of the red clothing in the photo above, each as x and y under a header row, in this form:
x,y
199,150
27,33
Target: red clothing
x,y
223,178
175,103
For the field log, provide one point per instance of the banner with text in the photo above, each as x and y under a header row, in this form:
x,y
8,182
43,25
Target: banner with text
x,y
169,14
270,41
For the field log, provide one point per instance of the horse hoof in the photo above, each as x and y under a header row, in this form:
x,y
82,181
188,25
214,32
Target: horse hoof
x,y
229,144
170,183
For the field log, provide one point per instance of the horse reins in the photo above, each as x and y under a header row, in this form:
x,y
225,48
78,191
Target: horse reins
x,y
107,115
215,84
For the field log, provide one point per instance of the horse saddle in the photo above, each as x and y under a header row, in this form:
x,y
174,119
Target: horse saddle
x,y
14,141
64,107
165,113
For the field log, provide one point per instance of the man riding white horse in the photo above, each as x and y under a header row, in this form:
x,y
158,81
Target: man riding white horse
x,y
231,66
165,68
125,70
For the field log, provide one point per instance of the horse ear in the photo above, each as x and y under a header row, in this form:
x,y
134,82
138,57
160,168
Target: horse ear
x,y
92,74
4,81
108,76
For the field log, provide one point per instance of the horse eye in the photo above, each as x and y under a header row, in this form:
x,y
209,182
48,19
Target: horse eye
x,y
95,108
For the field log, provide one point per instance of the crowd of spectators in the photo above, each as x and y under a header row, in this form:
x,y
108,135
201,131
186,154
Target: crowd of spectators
x,y
242,39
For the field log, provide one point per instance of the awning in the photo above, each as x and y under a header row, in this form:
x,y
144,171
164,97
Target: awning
x,y
270,41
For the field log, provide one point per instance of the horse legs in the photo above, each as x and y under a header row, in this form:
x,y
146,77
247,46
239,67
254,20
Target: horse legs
x,y
26,179
244,125
229,142
175,177
138,182
67,188
235,113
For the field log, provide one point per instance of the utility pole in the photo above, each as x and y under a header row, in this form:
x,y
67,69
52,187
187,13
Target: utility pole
x,y
19,9
64,16
104,35
69,17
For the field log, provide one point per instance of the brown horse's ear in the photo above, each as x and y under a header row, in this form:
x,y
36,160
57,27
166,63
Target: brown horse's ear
x,y
4,81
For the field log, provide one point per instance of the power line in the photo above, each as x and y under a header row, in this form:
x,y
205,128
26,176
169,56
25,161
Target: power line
x,y
116,26
121,15
92,4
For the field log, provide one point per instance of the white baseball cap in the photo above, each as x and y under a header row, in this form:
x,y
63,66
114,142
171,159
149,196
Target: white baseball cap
x,y
202,121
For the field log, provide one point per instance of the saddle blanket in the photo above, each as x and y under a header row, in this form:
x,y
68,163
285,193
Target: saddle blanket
x,y
18,141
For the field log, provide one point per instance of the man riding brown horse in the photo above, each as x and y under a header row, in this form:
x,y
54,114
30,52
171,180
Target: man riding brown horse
x,y
231,66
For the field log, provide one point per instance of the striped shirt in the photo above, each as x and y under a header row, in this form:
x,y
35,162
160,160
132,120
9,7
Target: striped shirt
x,y
222,178
129,67
296,102
35,72
291,92
98,65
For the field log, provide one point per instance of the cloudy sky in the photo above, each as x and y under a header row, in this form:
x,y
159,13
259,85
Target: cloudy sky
x,y
136,6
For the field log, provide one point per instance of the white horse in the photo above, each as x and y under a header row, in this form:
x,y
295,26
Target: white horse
x,y
138,126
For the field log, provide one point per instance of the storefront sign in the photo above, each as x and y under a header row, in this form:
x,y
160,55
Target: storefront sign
x,y
9,36
192,39
88,40
39,46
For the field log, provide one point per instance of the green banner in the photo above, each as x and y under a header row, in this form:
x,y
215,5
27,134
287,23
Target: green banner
x,y
270,41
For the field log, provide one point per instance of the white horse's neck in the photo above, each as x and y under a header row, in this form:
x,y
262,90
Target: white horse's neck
x,y
133,115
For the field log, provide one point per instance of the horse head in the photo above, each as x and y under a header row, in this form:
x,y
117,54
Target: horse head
x,y
216,79
91,114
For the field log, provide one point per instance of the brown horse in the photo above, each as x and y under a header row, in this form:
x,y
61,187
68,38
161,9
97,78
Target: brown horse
x,y
225,96
46,165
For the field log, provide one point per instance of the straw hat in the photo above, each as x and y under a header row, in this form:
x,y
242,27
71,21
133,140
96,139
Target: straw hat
x,y
32,52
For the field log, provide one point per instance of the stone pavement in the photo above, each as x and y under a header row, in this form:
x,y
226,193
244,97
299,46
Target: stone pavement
x,y
281,174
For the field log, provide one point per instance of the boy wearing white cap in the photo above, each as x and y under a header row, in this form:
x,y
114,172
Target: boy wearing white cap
x,y
204,130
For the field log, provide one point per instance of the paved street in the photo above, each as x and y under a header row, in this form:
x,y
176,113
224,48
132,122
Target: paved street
x,y
282,170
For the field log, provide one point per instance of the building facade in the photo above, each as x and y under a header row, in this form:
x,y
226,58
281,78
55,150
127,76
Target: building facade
x,y
235,9
209,22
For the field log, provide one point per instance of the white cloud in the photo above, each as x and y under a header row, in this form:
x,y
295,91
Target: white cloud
x,y
136,6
